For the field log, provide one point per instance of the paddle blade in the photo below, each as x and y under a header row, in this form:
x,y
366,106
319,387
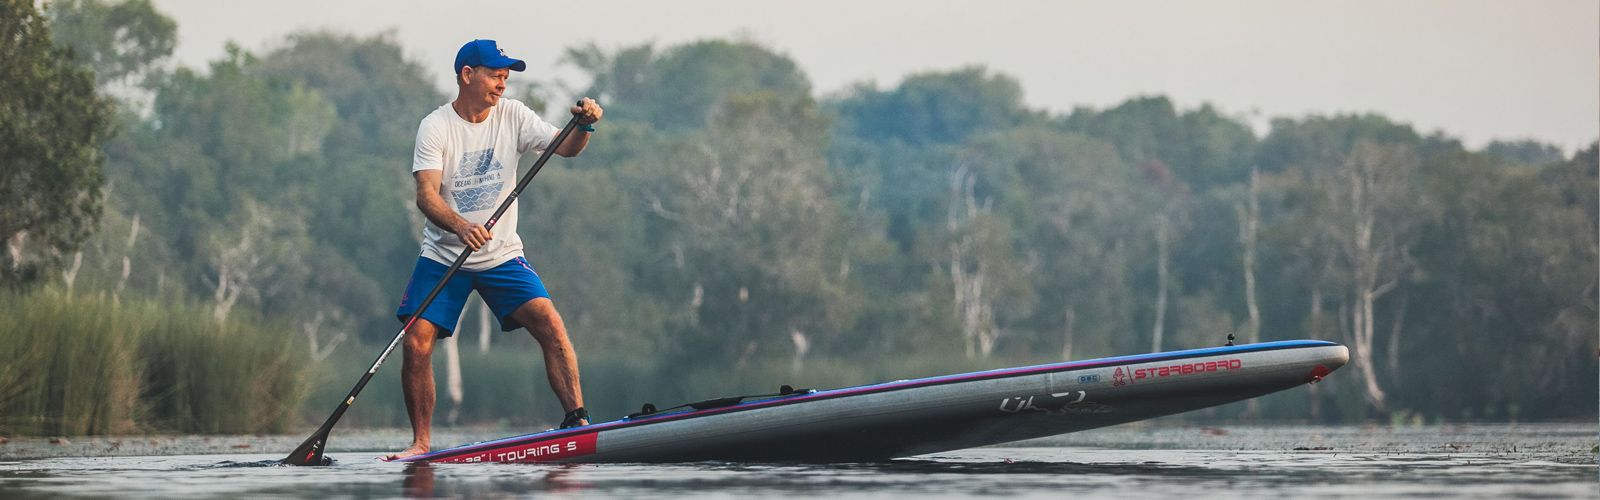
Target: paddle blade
x,y
309,452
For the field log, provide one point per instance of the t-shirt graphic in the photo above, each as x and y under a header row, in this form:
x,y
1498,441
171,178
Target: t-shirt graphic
x,y
477,182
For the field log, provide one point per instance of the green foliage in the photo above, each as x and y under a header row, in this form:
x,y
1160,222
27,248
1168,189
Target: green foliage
x,y
1202,147
683,87
934,108
1074,201
752,234
1524,152
1512,261
118,41
91,365
52,121
1322,142
583,228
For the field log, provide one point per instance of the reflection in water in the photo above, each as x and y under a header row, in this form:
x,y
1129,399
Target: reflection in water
x,y
418,482
562,479
916,466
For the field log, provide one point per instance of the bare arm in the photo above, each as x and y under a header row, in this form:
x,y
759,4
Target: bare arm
x,y
574,144
434,208
587,112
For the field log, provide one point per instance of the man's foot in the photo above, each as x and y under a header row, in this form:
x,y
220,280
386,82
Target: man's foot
x,y
575,418
414,450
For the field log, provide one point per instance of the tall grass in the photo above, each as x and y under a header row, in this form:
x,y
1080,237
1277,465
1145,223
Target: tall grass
x,y
76,365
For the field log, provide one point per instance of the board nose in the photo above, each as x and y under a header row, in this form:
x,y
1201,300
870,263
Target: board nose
x,y
1339,356
1330,358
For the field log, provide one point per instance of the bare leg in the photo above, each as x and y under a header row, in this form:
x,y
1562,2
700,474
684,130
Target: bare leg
x,y
416,380
539,316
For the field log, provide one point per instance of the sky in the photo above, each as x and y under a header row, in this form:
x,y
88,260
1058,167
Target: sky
x,y
1474,69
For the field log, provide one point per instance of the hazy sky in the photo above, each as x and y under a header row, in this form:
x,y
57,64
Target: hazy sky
x,y
1478,70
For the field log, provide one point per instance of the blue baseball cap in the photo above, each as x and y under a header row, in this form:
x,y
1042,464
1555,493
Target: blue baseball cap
x,y
485,53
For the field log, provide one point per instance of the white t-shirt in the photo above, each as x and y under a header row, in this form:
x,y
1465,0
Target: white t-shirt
x,y
479,169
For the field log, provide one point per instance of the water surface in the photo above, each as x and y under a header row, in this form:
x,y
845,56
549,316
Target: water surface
x,y
1172,462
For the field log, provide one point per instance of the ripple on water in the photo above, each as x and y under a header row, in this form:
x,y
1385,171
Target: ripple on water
x,y
1048,471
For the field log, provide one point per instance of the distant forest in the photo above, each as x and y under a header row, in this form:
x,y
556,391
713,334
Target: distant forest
x,y
726,213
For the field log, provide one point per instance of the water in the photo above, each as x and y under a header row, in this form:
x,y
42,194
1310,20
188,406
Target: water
x,y
1170,462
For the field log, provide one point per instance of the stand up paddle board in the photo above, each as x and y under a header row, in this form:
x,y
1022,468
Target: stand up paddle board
x,y
928,415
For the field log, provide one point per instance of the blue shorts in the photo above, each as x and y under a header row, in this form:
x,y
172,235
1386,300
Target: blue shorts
x,y
504,287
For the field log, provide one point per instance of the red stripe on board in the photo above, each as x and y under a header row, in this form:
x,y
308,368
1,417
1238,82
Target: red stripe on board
x,y
549,450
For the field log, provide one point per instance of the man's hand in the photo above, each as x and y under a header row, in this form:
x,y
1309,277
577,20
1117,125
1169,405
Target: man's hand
x,y
474,236
587,111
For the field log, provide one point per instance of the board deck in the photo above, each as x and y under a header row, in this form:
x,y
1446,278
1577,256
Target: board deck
x,y
926,415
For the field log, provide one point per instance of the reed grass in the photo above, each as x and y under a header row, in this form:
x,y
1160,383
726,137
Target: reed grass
x,y
88,364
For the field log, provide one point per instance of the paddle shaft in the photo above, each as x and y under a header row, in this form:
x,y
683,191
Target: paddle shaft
x,y
311,448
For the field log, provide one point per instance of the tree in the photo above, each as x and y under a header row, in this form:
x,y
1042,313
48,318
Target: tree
x,y
1171,197
683,87
119,41
1203,148
981,264
749,241
1066,205
1524,152
1375,222
894,145
1322,142
617,79
1249,213
52,123
934,108
1506,273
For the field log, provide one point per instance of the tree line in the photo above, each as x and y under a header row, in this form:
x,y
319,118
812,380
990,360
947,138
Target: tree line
x,y
726,213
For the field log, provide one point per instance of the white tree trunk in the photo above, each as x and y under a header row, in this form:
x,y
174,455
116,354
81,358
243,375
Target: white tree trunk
x,y
1250,220
225,294
486,326
313,331
802,345
127,258
1163,250
968,281
235,266
16,246
452,377
1315,396
1365,283
1393,351
1069,322
1316,313
70,274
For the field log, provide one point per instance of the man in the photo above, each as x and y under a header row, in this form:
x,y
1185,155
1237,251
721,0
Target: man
x,y
465,164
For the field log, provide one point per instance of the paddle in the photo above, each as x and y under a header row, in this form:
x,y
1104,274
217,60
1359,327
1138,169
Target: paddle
x,y
310,451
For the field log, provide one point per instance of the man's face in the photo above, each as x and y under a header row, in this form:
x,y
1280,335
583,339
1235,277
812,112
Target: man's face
x,y
483,85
